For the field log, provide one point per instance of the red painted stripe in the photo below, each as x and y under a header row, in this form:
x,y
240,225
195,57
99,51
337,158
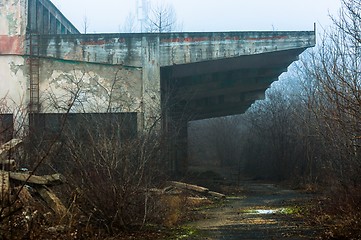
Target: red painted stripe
x,y
12,44
267,38
218,38
93,43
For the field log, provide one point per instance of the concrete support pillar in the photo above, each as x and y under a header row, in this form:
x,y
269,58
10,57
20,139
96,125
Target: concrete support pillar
x,y
58,27
151,99
52,27
32,16
182,149
177,132
46,21
39,18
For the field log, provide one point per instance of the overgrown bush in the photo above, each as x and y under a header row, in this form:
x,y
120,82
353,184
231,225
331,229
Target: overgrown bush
x,y
110,176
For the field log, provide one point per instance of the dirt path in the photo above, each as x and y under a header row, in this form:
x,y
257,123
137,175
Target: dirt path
x,y
266,211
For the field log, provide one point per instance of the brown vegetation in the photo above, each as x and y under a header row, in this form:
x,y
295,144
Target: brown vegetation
x,y
307,131
308,134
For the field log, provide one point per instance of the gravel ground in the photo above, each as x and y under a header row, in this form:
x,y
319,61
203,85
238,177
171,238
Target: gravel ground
x,y
264,211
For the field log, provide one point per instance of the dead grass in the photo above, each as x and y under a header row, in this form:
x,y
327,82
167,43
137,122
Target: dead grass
x,y
339,213
179,208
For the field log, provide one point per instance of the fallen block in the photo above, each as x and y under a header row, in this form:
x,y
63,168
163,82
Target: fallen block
x,y
52,200
48,180
187,186
216,194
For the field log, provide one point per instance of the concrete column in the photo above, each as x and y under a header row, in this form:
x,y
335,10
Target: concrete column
x,y
181,156
151,97
46,21
58,27
32,15
52,27
40,19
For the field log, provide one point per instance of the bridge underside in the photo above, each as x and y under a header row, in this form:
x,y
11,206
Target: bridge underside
x,y
222,87
215,89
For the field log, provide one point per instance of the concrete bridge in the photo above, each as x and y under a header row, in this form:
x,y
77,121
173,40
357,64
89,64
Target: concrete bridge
x,y
179,76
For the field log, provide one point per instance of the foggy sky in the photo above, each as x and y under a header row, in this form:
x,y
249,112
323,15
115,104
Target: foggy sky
x,y
207,15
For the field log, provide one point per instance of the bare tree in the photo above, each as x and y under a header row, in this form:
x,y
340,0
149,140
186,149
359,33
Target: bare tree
x,y
336,100
109,164
162,18
130,24
85,24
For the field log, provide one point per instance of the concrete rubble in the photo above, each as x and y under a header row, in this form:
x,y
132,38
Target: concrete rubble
x,y
199,190
25,187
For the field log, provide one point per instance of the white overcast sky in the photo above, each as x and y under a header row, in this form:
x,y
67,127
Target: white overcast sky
x,y
107,16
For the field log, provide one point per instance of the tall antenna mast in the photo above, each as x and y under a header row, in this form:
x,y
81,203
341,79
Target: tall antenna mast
x,y
143,7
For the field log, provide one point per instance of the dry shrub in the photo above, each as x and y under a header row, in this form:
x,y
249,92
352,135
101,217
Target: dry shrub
x,y
173,209
196,202
28,216
179,208
339,214
109,175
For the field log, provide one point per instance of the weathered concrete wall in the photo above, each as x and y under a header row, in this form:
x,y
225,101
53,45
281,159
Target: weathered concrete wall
x,y
151,80
132,51
125,49
153,51
183,48
174,74
173,48
12,26
13,83
90,87
127,65
19,17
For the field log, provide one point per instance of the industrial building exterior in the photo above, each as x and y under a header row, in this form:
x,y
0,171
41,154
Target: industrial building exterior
x,y
48,67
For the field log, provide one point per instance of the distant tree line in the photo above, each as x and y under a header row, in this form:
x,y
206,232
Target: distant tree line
x,y
308,129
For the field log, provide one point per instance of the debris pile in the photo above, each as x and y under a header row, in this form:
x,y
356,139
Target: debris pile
x,y
30,200
21,185
205,192
196,196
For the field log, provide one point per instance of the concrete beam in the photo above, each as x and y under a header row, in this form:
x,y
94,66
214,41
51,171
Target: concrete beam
x,y
275,59
113,49
219,110
221,113
173,48
184,48
223,83
225,105
214,103
238,87
231,85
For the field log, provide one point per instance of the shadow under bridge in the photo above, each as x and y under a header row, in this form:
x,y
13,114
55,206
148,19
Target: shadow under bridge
x,y
215,88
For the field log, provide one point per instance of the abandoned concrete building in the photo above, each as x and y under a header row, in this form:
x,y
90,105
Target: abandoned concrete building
x,y
47,67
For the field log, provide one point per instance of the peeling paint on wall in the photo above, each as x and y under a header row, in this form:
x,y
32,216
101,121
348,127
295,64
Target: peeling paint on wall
x,y
13,24
13,17
13,81
15,67
111,72
99,88
12,45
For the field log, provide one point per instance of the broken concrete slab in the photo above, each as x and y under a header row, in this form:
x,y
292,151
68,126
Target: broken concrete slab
x,y
48,180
